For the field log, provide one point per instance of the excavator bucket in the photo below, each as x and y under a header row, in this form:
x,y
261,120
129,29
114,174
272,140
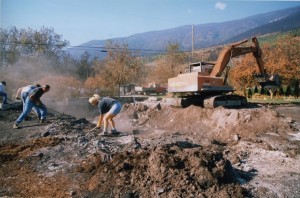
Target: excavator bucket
x,y
268,80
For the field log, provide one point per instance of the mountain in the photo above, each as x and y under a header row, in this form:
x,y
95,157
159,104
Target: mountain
x,y
205,35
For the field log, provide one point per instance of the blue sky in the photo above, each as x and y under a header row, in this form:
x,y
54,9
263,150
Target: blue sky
x,y
80,21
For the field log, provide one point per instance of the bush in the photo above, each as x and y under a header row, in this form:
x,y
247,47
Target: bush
x,y
249,93
255,89
288,91
296,90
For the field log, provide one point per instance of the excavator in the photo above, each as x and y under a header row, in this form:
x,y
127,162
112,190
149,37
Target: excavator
x,y
203,84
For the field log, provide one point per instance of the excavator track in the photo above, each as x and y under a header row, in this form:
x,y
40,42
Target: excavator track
x,y
210,102
229,101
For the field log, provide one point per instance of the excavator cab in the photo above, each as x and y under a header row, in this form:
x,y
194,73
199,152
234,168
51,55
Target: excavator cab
x,y
203,67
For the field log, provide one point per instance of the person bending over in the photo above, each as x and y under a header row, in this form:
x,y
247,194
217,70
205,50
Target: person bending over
x,y
33,100
23,92
108,109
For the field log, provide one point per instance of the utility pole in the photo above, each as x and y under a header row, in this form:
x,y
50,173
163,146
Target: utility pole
x,y
192,42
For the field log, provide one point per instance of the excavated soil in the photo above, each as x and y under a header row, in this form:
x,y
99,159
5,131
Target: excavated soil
x,y
161,151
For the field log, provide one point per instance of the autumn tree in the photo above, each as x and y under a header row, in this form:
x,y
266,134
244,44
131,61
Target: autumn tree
x,y
284,58
240,75
170,65
281,57
121,66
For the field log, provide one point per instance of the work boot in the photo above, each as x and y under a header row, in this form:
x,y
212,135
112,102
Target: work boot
x,y
16,126
44,121
114,131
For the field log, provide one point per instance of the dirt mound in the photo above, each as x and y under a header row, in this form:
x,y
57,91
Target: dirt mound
x,y
167,171
161,151
220,123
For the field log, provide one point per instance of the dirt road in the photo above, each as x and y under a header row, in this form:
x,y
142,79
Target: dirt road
x,y
162,151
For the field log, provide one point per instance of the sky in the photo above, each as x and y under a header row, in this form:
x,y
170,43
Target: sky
x,y
80,21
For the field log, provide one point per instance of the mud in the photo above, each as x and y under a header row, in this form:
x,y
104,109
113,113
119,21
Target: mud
x,y
161,151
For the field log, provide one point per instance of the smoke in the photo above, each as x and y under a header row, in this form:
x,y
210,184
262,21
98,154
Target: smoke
x,y
32,70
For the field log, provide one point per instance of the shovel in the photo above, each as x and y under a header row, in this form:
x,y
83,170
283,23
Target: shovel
x,y
91,131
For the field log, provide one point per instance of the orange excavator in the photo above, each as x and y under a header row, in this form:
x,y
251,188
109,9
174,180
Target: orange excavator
x,y
202,82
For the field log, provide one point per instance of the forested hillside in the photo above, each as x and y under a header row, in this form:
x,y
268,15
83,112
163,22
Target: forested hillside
x,y
205,35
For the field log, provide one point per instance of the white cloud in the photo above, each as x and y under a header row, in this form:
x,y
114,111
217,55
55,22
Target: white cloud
x,y
220,5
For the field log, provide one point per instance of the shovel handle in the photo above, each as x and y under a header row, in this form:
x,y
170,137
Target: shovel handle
x,y
91,130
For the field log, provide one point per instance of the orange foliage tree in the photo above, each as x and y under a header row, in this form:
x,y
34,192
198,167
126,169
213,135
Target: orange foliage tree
x,y
96,84
169,65
121,66
240,75
282,57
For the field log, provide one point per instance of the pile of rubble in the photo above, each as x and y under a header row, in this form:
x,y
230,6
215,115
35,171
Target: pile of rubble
x,y
162,151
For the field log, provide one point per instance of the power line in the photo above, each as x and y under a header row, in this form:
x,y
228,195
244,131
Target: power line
x,y
84,47
93,48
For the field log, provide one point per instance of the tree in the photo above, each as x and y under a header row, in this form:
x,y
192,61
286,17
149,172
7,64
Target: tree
x,y
85,69
288,91
240,75
249,93
20,43
281,57
170,65
121,66
281,92
296,89
262,91
255,89
8,49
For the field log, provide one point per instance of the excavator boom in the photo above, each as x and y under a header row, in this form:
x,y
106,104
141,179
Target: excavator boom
x,y
234,51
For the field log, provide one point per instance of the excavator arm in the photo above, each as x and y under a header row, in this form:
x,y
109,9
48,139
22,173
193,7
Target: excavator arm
x,y
233,51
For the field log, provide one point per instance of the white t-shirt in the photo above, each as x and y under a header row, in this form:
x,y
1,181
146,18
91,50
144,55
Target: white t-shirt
x,y
27,88
2,88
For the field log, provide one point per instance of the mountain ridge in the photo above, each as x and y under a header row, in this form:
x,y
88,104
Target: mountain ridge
x,y
205,35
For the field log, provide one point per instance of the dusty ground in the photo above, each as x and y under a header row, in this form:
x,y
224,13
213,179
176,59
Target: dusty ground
x,y
162,151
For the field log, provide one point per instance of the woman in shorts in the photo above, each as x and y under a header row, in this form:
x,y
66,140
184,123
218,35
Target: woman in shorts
x,y
108,109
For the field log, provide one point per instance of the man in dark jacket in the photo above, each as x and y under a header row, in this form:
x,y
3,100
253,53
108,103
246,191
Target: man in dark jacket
x,y
33,100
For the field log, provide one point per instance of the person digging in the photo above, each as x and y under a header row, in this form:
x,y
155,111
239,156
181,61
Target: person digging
x,y
23,92
33,100
108,109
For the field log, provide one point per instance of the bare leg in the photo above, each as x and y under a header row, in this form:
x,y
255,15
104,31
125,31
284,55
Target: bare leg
x,y
107,118
112,123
